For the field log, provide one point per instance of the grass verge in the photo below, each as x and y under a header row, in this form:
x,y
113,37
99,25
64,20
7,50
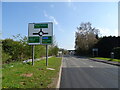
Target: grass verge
x,y
21,75
108,59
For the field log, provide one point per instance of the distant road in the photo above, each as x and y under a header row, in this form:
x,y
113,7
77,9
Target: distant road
x,y
84,73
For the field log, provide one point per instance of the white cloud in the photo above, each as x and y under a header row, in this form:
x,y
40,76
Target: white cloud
x,y
71,5
45,14
108,32
51,18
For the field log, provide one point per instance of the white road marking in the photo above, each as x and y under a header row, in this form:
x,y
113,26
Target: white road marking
x,y
91,66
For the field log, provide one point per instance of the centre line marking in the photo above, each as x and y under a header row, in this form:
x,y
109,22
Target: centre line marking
x,y
91,66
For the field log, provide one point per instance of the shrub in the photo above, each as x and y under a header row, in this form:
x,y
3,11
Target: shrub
x,y
117,52
5,57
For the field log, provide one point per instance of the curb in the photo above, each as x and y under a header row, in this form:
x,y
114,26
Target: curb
x,y
59,79
108,62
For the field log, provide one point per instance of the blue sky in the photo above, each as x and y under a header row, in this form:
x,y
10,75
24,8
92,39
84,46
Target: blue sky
x,y
65,15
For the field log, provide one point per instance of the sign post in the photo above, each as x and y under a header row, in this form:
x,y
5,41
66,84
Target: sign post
x,y
46,55
33,55
95,50
112,55
40,34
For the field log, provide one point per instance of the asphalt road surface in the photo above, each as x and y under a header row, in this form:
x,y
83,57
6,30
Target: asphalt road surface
x,y
84,73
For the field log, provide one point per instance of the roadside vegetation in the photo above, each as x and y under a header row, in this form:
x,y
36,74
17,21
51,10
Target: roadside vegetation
x,y
16,74
17,49
85,38
24,75
88,37
108,59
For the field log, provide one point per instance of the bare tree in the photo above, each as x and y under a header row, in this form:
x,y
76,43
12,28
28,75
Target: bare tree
x,y
86,37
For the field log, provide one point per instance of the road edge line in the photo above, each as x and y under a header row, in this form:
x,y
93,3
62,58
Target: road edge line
x,y
59,79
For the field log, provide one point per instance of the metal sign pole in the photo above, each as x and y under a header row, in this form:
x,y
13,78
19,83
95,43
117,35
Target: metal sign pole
x,y
33,55
46,55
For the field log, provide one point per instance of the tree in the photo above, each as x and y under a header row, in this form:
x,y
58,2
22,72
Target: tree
x,y
108,44
117,52
25,49
40,51
85,38
17,48
53,49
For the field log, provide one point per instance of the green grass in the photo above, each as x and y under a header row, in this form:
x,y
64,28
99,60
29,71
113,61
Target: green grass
x,y
12,74
109,59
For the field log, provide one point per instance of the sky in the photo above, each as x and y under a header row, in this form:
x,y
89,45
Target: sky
x,y
66,17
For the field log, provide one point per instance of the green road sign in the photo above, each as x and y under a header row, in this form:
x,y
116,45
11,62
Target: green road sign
x,y
47,40
34,39
40,33
40,25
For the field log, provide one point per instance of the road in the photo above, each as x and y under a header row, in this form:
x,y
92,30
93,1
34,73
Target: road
x,y
84,73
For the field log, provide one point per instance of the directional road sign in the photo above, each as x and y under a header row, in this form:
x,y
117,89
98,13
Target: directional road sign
x,y
95,49
40,33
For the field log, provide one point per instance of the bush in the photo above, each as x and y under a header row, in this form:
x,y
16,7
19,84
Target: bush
x,y
39,51
18,49
53,50
117,52
5,57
